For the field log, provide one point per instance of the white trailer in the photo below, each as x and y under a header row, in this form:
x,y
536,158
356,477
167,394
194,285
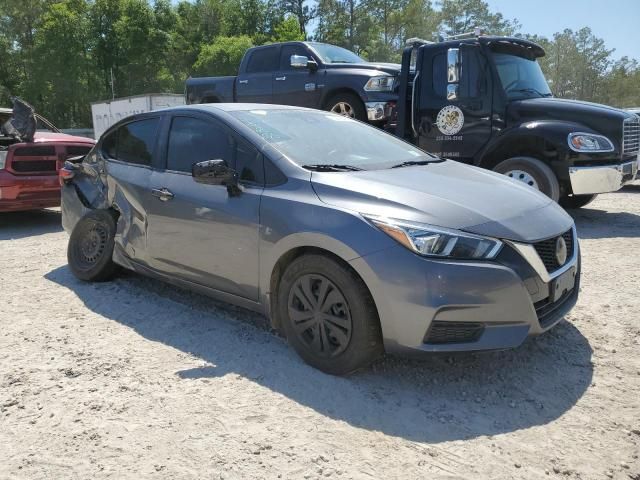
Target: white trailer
x,y
108,112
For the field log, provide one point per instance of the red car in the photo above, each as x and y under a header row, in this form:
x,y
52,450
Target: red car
x,y
29,169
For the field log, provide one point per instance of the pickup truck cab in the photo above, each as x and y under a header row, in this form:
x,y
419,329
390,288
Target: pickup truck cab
x,y
29,166
306,74
483,100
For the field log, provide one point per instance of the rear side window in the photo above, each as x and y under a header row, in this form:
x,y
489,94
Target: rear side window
x,y
285,55
134,142
263,60
193,140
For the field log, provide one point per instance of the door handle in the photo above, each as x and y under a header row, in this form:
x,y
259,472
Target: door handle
x,y
243,81
281,78
162,194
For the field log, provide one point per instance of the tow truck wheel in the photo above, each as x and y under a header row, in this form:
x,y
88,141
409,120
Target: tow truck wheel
x,y
577,201
91,247
349,105
532,172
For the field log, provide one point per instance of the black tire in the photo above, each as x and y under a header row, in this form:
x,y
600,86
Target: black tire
x,y
352,101
577,201
352,335
90,248
540,172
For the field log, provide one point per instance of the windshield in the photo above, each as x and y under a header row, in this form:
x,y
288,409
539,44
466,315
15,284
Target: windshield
x,y
312,138
333,54
520,77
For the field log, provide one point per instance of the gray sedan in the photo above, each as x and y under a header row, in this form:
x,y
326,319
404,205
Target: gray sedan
x,y
350,240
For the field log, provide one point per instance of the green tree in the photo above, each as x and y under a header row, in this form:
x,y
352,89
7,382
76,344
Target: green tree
x,y
462,16
288,30
222,57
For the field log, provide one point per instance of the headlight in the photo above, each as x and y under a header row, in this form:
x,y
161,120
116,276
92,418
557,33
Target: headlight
x,y
3,158
588,142
380,84
438,242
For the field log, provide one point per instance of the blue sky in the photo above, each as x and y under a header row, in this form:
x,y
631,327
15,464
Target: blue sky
x,y
617,22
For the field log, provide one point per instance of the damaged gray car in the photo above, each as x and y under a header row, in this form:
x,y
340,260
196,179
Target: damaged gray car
x,y
350,240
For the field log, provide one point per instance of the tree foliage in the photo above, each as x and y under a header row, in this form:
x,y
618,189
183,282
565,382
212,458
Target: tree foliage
x,y
60,55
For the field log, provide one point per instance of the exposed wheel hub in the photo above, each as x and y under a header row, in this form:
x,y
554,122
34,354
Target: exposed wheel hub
x,y
93,244
320,315
524,177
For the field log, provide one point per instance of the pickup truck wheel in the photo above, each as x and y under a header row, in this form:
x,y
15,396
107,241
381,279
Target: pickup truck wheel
x,y
349,105
576,201
91,247
533,172
328,315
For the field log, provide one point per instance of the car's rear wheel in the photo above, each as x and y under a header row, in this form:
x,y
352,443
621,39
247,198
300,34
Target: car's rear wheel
x,y
328,315
349,105
577,201
532,172
91,247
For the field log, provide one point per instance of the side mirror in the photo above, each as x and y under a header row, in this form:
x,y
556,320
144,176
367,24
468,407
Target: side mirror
x,y
216,172
454,68
302,61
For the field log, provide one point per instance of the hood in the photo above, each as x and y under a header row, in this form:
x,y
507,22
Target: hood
x,y
447,194
600,118
41,137
22,124
390,68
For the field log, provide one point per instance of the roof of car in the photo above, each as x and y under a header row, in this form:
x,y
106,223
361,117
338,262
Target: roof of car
x,y
233,107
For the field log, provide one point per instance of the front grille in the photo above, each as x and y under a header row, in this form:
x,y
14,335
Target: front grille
x,y
74,150
44,151
631,136
453,332
547,251
32,166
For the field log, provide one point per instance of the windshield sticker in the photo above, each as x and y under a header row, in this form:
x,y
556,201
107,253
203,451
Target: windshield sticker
x,y
450,120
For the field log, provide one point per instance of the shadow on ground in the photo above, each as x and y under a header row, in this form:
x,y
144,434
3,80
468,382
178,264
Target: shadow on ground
x,y
594,223
15,225
439,398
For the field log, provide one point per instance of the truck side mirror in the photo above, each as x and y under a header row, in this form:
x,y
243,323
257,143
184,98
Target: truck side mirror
x,y
453,73
302,61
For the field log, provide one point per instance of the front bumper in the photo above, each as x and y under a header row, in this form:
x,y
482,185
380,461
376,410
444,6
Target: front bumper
x,y
28,192
379,111
602,179
506,302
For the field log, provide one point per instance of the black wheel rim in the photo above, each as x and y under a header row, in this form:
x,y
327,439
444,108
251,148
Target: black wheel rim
x,y
320,315
92,245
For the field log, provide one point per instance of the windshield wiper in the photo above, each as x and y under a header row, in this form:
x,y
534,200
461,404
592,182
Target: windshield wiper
x,y
411,163
531,90
321,167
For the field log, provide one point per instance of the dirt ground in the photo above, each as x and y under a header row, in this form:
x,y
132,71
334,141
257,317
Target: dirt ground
x,y
134,378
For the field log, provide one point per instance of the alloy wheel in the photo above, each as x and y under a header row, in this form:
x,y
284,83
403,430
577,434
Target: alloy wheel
x,y
343,108
320,315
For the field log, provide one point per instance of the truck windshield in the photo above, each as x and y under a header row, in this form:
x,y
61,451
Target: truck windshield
x,y
520,77
315,138
332,54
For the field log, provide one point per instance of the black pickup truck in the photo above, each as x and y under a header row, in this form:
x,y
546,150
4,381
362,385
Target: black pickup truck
x,y
306,74
483,100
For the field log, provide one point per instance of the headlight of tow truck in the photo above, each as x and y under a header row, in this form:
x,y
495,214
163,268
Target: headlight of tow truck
x,y
383,83
3,158
589,143
438,242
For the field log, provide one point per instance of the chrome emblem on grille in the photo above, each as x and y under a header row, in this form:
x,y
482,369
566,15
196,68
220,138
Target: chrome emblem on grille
x,y
561,251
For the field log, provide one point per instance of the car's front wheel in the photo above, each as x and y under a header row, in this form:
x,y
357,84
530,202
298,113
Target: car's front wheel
x,y
328,315
348,105
91,247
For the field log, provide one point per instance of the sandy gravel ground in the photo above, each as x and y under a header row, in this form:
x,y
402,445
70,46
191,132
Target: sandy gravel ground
x,y
134,378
